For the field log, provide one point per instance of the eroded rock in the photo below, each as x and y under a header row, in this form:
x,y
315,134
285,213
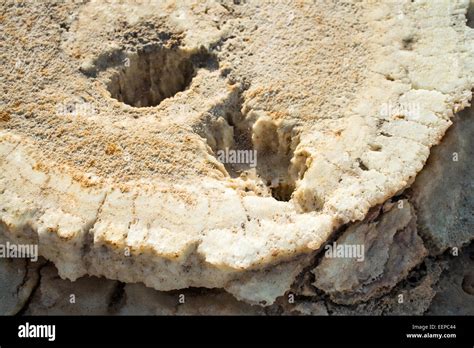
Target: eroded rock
x,y
141,301
454,294
85,296
405,299
113,170
391,249
99,296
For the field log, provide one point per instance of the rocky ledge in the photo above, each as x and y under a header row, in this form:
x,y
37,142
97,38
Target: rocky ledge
x,y
239,154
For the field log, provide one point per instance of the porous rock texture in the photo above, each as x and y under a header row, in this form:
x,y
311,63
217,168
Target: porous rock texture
x,y
99,296
392,248
86,296
112,115
445,208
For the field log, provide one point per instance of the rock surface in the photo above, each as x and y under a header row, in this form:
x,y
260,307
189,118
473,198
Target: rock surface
x,y
85,296
454,292
406,299
99,296
19,278
391,249
341,101
443,192
420,293
140,300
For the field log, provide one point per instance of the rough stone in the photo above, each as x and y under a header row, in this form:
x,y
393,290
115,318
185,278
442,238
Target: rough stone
x,y
405,299
391,249
309,308
443,191
454,294
145,301
85,296
341,101
99,296
19,278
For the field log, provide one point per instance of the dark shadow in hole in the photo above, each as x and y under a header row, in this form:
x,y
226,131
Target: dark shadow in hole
x,y
155,73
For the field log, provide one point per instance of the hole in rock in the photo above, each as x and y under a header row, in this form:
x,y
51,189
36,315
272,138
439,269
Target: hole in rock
x,y
155,73
375,147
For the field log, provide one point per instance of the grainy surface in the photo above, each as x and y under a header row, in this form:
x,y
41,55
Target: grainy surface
x,y
341,101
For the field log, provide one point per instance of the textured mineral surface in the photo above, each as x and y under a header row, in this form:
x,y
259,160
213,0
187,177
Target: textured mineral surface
x,y
114,118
